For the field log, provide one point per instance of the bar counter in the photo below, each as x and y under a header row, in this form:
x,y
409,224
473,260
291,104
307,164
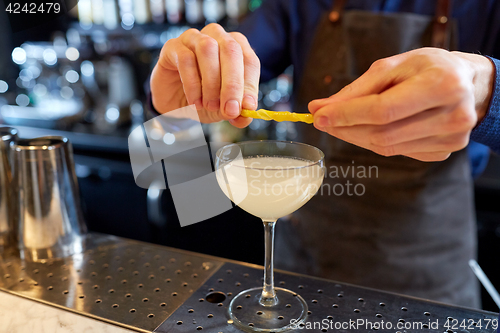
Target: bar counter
x,y
119,285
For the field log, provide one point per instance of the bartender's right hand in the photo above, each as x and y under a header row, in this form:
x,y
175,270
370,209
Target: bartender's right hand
x,y
215,70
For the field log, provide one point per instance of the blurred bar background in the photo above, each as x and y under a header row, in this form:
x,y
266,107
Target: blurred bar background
x,y
85,76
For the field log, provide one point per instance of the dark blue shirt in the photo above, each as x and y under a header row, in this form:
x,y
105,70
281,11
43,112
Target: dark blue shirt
x,y
281,32
488,131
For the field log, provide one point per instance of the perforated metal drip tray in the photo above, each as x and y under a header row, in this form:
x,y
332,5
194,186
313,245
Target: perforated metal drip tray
x,y
132,284
151,288
330,305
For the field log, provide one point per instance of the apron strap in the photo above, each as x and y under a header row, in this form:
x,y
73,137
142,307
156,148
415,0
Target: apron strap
x,y
336,11
440,28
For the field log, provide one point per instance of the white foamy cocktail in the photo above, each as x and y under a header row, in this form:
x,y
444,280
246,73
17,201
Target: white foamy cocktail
x,y
270,187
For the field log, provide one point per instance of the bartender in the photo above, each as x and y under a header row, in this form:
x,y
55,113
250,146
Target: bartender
x,y
410,115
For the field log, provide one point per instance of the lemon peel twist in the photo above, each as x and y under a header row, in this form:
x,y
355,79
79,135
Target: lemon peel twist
x,y
278,115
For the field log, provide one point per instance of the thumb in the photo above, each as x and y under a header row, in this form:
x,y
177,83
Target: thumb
x,y
378,78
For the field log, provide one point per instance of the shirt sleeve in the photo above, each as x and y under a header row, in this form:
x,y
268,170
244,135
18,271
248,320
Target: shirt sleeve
x,y
488,131
267,32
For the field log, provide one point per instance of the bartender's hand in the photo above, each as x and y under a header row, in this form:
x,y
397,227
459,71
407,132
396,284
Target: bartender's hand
x,y
215,70
422,104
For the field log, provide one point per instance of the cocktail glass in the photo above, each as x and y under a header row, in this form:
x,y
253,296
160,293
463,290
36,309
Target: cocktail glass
x,y
269,179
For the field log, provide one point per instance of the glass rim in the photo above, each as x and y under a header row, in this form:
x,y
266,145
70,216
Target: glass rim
x,y
45,143
7,133
313,163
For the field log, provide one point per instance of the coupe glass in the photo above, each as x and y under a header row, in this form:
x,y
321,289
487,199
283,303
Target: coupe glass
x,y
269,179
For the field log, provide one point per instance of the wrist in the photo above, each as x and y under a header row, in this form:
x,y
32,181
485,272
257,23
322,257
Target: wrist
x,y
483,81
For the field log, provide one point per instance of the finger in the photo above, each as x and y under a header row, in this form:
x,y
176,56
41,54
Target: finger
x,y
207,53
240,122
376,79
434,122
177,56
360,136
232,71
356,135
430,157
412,96
251,74
209,117
449,143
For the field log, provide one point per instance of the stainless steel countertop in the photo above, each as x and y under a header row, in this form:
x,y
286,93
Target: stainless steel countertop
x,y
124,282
148,288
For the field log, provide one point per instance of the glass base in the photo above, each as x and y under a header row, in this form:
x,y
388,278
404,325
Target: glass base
x,y
249,315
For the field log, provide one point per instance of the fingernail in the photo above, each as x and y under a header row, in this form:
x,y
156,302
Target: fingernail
x,y
323,121
232,108
213,105
312,107
199,104
316,104
322,129
249,102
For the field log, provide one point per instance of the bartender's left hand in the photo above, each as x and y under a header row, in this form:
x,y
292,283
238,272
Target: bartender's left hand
x,y
422,104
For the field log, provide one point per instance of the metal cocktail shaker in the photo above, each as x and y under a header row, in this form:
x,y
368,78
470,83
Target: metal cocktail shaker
x,y
8,135
50,220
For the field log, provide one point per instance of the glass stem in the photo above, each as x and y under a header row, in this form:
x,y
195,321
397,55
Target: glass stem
x,y
268,297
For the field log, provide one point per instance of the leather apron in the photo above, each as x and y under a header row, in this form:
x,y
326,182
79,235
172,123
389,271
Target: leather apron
x,y
401,225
